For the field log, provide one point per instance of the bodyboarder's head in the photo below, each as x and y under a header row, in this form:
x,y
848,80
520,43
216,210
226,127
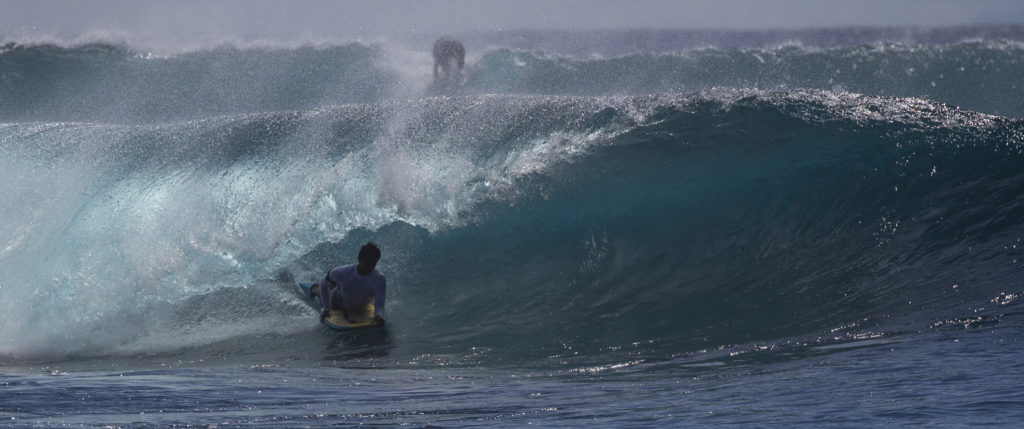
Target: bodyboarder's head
x,y
369,254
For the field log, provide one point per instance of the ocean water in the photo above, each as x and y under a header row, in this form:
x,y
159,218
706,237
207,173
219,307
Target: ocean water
x,y
626,229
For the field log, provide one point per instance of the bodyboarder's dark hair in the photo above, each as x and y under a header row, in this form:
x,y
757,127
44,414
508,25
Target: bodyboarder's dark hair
x,y
369,250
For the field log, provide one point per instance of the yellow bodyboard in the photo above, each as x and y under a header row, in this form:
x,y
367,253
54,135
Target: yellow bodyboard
x,y
363,320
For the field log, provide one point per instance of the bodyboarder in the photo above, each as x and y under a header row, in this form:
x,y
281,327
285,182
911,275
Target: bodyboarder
x,y
350,288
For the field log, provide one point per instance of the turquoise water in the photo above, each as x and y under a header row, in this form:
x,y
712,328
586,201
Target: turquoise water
x,y
692,235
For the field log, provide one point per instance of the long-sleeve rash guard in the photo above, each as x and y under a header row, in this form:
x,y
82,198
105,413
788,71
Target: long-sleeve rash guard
x,y
357,290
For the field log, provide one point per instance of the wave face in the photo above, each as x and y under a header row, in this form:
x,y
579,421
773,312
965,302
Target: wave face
x,y
525,226
521,228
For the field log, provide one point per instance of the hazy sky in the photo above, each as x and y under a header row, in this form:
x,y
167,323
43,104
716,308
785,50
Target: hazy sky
x,y
193,20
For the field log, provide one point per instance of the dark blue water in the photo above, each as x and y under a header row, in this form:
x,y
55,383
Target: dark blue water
x,y
635,229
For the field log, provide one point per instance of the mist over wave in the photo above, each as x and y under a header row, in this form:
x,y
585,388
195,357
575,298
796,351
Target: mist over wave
x,y
102,82
974,75
116,82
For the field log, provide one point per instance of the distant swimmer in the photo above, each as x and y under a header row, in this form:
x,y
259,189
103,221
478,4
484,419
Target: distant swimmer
x,y
350,288
449,57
